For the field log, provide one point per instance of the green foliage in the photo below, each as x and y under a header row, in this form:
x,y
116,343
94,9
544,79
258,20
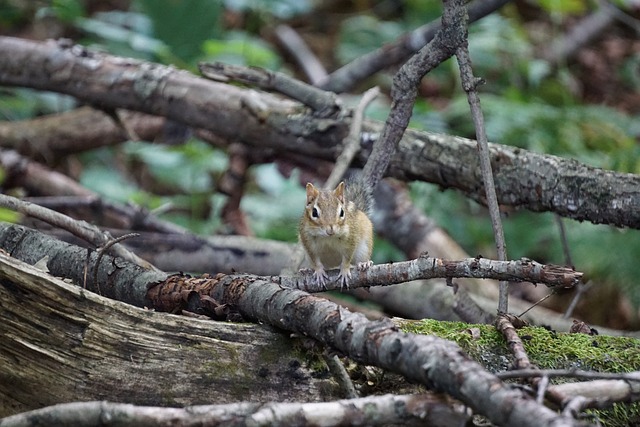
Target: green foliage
x,y
593,134
184,25
419,12
604,253
67,10
526,103
282,9
124,33
11,14
274,210
241,49
22,104
565,7
187,174
363,33
547,349
102,180
189,166
7,215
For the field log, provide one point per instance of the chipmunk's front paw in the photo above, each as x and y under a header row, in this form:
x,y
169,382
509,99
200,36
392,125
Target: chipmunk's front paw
x,y
320,278
344,278
362,266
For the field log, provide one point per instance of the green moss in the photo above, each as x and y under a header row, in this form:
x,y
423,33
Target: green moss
x,y
487,349
595,353
547,350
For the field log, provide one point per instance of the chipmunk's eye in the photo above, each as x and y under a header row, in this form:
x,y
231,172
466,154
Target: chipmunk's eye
x,y
315,214
341,213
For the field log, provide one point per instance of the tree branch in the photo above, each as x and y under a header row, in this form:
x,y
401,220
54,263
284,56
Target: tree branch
x,y
469,84
82,229
523,179
430,268
347,77
411,410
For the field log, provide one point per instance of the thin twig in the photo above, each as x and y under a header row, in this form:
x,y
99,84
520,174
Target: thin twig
x,y
352,140
542,389
102,250
323,103
303,56
569,373
425,267
535,304
82,229
405,90
469,84
564,241
341,375
348,76
506,328
388,409
565,47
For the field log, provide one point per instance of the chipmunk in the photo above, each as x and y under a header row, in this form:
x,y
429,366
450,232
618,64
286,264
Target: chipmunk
x,y
335,230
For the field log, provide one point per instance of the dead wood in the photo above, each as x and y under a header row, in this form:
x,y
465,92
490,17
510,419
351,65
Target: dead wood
x,y
62,343
51,137
386,410
431,361
523,179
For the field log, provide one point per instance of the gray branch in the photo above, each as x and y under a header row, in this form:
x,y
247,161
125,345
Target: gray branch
x,y
523,179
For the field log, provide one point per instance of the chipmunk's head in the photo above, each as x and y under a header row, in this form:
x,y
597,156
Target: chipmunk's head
x,y
326,210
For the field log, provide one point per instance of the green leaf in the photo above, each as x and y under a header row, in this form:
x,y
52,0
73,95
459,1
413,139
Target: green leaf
x,y
363,33
184,25
564,7
105,181
68,10
189,166
124,33
7,215
282,9
241,49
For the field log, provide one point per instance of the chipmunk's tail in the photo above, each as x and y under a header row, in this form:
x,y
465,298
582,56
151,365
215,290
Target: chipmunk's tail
x,y
360,194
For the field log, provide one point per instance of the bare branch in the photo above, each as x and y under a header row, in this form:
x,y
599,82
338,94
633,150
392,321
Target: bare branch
x,y
436,363
352,141
523,179
405,89
303,56
469,84
429,268
569,373
82,229
325,104
345,78
373,410
506,328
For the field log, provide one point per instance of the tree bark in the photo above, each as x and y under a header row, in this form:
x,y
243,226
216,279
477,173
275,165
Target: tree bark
x,y
429,360
61,343
532,181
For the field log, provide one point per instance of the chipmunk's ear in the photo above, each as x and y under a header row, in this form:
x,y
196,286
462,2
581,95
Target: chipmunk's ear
x,y
339,191
312,192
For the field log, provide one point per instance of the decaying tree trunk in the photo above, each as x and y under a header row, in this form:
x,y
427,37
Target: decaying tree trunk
x,y
61,343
